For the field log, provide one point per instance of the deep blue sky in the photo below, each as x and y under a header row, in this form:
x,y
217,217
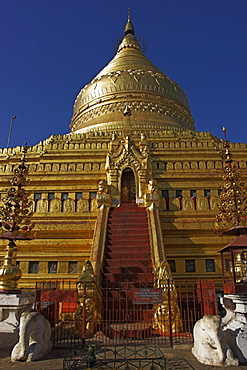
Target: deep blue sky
x,y
51,48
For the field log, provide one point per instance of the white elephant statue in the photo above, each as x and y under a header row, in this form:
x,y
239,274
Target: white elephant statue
x,y
34,338
210,347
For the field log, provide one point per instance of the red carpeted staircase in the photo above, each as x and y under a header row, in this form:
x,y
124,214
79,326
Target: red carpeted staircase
x,y
127,267
127,253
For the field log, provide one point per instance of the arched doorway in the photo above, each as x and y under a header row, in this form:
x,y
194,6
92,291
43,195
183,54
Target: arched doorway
x,y
128,186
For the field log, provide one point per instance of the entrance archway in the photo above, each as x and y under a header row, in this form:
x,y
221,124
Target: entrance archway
x,y
128,186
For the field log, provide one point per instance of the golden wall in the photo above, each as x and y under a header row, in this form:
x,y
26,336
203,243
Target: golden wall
x,y
64,172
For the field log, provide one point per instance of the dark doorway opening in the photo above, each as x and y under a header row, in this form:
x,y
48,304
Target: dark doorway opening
x,y
128,186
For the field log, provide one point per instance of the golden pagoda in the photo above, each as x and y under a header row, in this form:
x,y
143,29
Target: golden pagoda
x,y
132,140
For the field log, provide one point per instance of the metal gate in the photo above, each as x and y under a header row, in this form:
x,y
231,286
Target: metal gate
x,y
127,312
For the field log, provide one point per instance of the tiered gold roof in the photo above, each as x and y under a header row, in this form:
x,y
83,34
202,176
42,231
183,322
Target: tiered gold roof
x,y
130,78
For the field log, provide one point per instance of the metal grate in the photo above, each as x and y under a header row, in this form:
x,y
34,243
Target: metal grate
x,y
115,357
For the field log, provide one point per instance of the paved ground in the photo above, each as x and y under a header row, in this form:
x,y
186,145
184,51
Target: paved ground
x,y
178,358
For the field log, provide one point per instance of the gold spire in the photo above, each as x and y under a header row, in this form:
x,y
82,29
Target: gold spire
x,y
16,213
233,199
129,28
155,99
15,224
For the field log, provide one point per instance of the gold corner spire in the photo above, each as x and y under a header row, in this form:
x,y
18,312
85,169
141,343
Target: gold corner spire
x,y
15,224
233,199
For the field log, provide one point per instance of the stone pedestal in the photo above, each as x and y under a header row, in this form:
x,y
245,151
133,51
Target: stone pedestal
x,y
234,324
11,307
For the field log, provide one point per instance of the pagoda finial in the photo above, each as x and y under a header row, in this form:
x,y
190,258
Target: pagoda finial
x,y
129,14
228,155
224,130
129,28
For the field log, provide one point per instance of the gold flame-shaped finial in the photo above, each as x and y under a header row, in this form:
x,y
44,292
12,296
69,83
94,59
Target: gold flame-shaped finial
x,y
233,200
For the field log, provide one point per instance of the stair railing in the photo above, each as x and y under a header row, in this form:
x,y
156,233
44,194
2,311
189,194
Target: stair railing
x,y
99,241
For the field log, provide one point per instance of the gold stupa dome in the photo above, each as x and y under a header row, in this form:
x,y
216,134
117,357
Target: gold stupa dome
x,y
130,78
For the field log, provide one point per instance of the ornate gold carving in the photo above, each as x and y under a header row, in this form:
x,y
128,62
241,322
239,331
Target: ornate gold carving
x,y
143,144
202,204
15,223
214,202
55,205
187,204
194,165
165,312
152,194
136,73
126,154
69,205
82,205
233,197
178,166
89,301
9,272
71,167
186,166
152,187
174,204
103,196
103,187
113,76
42,205
136,105
202,165
114,144
94,205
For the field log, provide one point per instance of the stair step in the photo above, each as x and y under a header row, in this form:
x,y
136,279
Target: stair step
x,y
130,263
130,245
128,254
131,277
128,222
125,255
135,247
129,236
130,214
124,227
128,208
128,270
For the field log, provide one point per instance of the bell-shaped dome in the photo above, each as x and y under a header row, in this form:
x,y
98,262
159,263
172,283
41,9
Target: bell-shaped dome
x,y
131,79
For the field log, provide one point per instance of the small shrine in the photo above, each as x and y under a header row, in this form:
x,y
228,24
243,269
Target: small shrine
x,y
234,266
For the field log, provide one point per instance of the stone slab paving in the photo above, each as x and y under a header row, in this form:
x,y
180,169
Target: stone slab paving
x,y
178,358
